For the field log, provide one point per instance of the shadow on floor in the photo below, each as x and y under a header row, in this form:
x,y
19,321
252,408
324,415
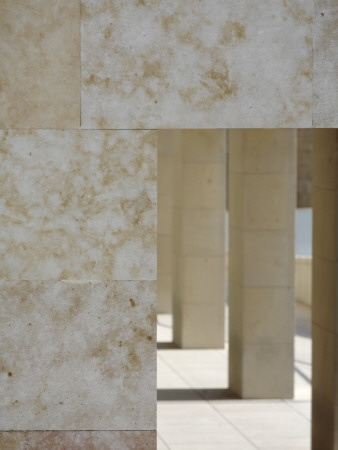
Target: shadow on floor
x,y
195,394
166,346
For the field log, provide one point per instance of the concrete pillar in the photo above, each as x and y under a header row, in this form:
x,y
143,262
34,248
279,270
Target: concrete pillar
x,y
164,221
199,228
325,291
304,167
262,194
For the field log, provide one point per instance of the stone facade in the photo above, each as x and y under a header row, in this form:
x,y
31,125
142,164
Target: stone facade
x,y
85,84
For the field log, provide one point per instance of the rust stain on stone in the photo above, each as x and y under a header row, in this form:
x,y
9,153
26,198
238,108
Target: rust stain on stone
x,y
167,21
133,358
100,351
94,80
296,12
134,209
40,406
84,11
107,32
102,123
308,40
152,69
232,32
218,84
307,74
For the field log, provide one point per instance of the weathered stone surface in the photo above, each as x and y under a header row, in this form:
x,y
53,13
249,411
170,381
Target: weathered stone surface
x,y
40,64
153,64
78,440
78,205
325,64
77,355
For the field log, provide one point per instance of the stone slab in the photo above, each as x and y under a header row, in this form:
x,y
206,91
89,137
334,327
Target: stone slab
x,y
40,64
78,440
325,64
78,205
210,64
77,355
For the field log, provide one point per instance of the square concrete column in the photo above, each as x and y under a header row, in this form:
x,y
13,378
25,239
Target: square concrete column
x,y
199,229
164,221
325,291
262,195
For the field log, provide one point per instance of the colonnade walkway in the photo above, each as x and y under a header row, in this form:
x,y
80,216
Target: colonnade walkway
x,y
196,411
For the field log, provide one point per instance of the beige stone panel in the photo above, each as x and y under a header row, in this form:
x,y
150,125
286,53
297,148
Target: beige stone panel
x,y
203,146
291,212
325,158
165,168
177,300
236,204
323,423
324,222
166,139
324,293
236,139
273,359
266,259
203,280
164,294
235,255
323,363
203,186
40,64
176,234
250,364
263,151
78,440
304,172
203,232
235,365
177,170
268,316
78,355
253,313
266,202
164,254
165,182
304,144
325,64
303,280
235,314
181,65
208,319
78,205
164,214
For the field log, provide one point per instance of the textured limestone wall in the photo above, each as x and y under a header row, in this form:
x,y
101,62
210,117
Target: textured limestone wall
x,y
78,284
78,182
205,64
78,250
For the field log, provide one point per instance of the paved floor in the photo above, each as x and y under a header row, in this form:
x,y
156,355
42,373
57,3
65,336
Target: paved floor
x,y
196,411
